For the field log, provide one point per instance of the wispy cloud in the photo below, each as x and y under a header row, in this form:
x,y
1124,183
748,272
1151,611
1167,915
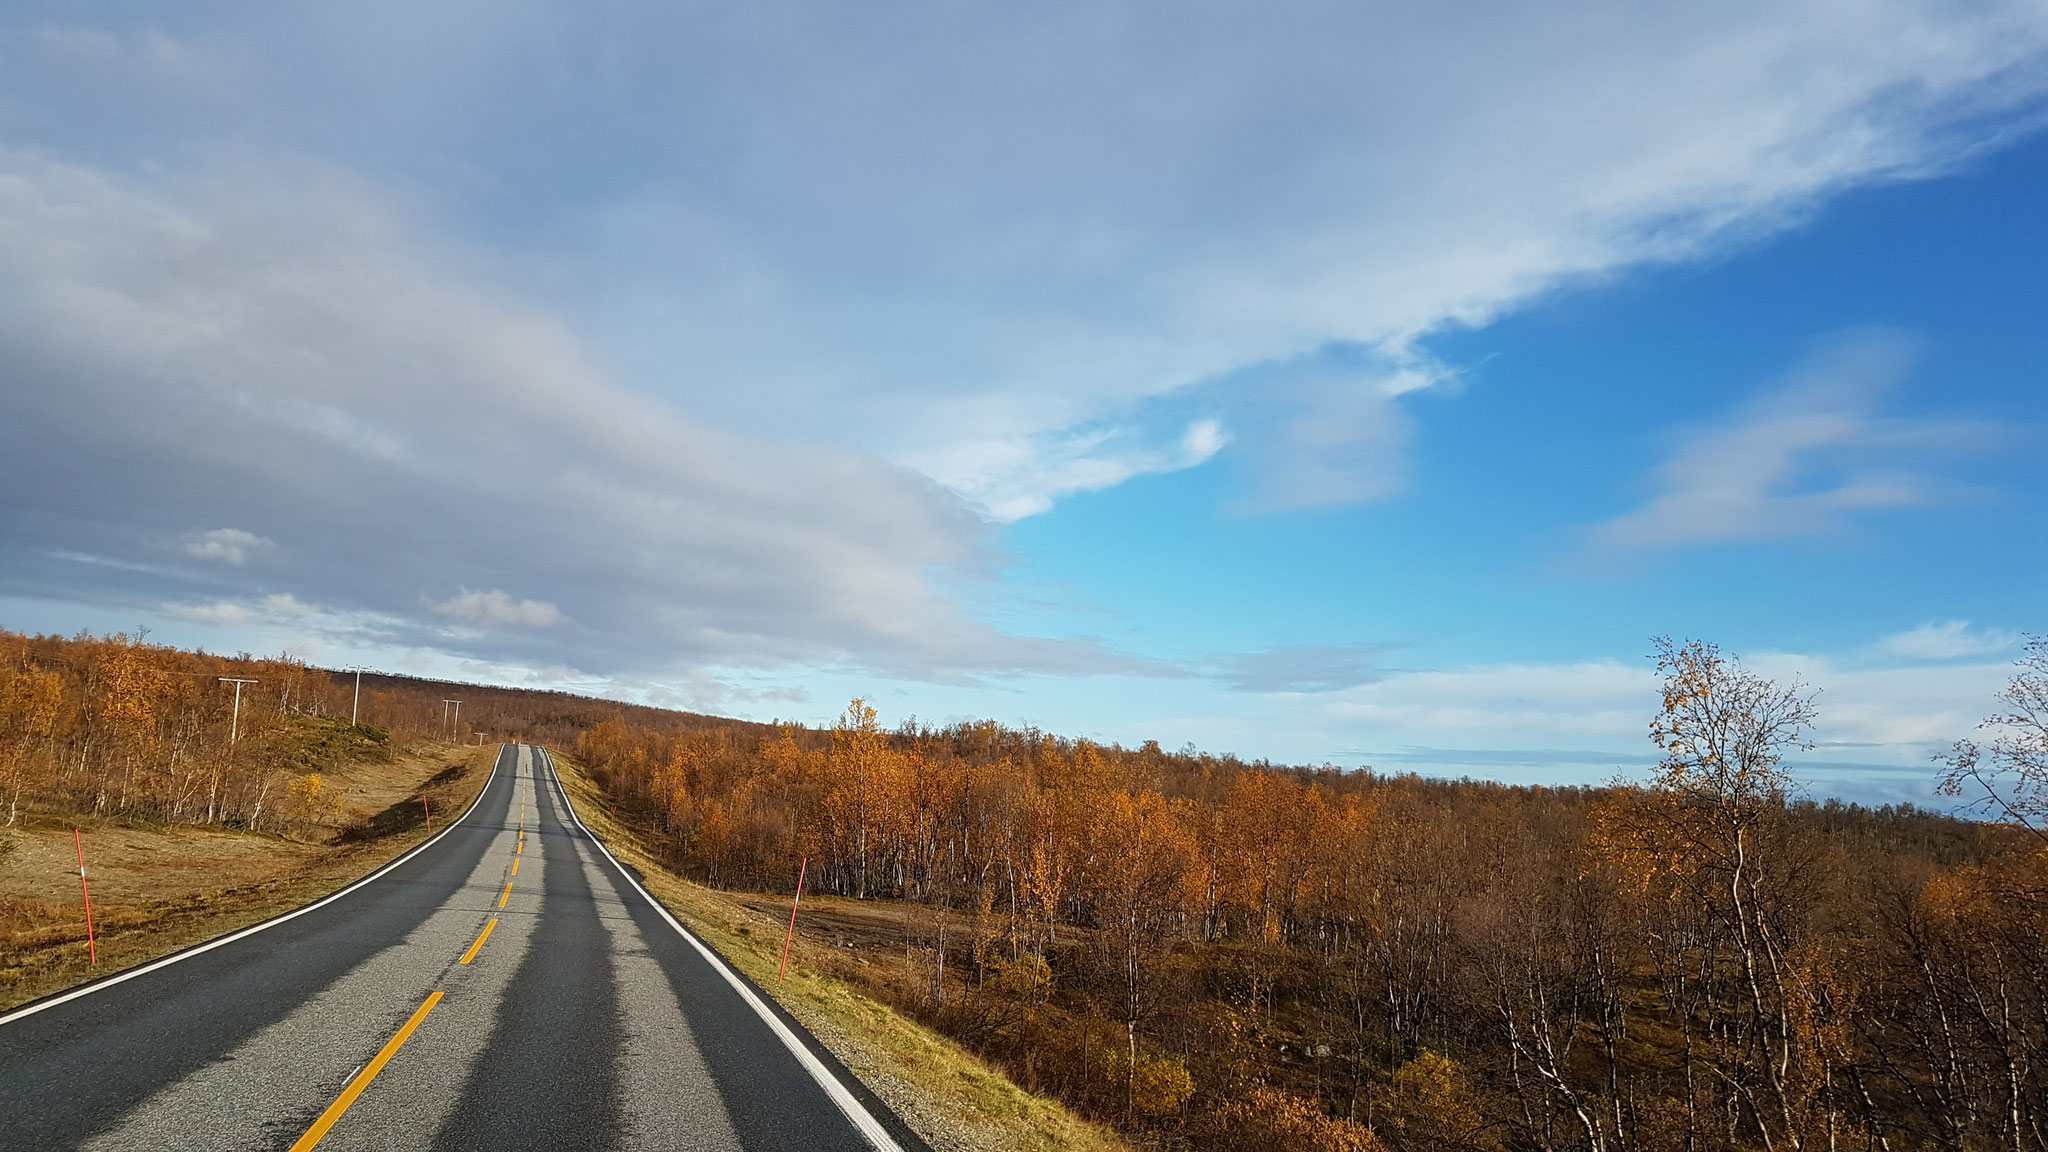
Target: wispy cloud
x,y
1949,640
1019,477
498,609
225,614
1303,667
286,605
1321,429
226,546
277,608
1800,460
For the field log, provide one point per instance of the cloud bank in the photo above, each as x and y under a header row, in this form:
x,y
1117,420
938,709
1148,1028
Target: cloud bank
x,y
1948,640
278,354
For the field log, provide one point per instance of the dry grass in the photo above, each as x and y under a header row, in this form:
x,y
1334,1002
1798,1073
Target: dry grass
x,y
156,889
947,1094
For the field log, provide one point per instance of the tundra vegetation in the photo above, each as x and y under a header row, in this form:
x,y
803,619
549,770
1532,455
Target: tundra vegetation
x,y
1209,953
1213,954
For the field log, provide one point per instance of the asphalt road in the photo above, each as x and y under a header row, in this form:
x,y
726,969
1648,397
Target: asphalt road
x,y
585,1019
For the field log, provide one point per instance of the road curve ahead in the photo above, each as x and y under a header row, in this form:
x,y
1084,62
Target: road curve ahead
x,y
505,986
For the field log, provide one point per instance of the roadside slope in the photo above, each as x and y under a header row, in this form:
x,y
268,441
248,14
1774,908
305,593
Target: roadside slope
x,y
159,888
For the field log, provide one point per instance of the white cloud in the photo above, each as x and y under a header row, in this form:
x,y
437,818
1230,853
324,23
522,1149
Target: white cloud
x,y
277,608
285,605
1950,640
1589,703
1901,714
1800,460
496,609
223,614
226,546
1021,477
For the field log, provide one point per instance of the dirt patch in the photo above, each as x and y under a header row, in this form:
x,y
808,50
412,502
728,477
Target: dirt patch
x,y
156,889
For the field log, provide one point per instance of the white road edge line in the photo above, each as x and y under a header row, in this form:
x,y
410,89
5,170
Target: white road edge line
x,y
251,930
863,1120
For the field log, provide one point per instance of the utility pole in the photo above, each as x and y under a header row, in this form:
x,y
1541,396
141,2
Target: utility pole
x,y
235,721
456,727
357,703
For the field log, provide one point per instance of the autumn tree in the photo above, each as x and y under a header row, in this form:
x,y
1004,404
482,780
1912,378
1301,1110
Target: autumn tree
x,y
2009,777
31,704
1711,832
1550,953
862,792
1140,893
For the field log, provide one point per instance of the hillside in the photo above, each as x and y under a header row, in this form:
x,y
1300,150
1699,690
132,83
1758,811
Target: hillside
x,y
1202,952
1214,954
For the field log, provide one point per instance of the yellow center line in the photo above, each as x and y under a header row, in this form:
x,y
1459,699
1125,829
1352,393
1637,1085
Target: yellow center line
x,y
471,954
515,867
362,1080
505,895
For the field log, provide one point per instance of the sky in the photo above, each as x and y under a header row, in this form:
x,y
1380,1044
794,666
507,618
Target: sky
x,y
1324,383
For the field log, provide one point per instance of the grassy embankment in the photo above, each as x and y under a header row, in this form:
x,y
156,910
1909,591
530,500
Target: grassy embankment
x,y
947,1094
159,888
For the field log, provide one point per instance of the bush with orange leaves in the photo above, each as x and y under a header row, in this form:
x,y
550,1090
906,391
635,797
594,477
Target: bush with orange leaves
x,y
1434,1107
1270,1120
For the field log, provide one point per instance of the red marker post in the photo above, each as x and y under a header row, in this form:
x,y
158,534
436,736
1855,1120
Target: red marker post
x,y
430,815
92,943
791,934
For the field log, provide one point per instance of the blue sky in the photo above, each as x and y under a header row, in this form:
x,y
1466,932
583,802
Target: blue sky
x,y
1312,384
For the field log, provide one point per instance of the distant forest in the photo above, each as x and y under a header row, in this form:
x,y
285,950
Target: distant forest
x,y
116,727
1213,954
